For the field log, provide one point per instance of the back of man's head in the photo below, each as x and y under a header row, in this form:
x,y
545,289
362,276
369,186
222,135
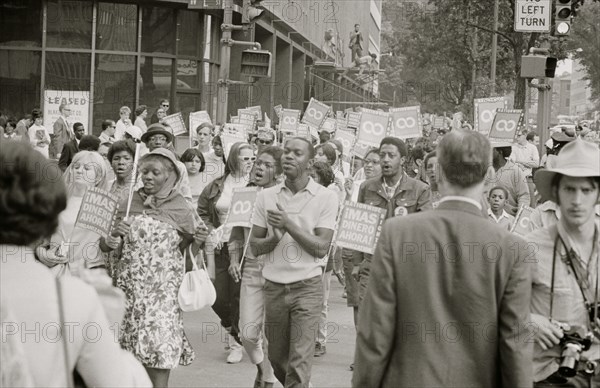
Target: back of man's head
x,y
89,143
464,157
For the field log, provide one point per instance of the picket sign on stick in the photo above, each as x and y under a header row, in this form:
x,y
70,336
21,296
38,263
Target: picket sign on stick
x,y
522,222
246,244
505,125
360,226
485,110
406,122
97,211
134,178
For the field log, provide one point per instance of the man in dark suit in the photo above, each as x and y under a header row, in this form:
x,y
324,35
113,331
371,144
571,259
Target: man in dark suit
x,y
448,300
62,131
71,148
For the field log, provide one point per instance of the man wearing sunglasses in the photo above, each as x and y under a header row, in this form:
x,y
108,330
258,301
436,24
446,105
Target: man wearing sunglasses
x,y
163,106
264,138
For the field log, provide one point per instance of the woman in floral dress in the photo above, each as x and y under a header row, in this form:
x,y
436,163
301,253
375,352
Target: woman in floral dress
x,y
150,267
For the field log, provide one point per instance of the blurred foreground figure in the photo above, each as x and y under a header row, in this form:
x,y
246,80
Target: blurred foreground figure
x,y
449,292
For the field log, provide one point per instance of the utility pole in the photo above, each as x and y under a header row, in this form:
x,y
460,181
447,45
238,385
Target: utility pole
x,y
223,86
494,47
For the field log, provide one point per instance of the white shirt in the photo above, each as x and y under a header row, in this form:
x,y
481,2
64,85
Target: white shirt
x,y
527,153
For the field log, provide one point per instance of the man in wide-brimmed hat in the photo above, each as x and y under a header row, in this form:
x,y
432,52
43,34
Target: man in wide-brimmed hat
x,y
565,259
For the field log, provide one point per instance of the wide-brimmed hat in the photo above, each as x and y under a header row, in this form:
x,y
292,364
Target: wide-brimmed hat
x,y
500,144
578,159
560,137
157,129
134,132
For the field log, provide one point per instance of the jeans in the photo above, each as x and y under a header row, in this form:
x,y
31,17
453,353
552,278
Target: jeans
x,y
252,316
291,321
363,277
322,332
227,305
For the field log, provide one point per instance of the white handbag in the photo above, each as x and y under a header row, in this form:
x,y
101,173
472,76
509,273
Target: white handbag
x,y
197,290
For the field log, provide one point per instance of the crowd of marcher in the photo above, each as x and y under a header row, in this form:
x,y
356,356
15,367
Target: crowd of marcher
x,y
452,296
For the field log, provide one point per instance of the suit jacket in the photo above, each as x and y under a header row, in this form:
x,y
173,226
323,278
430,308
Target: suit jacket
x,y
68,152
448,297
62,134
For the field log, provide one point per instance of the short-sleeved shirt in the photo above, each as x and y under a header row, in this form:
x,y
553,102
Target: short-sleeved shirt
x,y
505,220
313,207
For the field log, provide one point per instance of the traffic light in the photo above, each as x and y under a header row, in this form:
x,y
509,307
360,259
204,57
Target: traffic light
x,y
249,11
538,66
562,17
256,63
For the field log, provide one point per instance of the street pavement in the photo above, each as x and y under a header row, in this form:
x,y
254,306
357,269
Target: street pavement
x,y
209,369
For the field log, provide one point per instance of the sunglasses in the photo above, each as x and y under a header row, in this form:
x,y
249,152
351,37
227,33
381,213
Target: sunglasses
x,y
265,142
165,106
249,158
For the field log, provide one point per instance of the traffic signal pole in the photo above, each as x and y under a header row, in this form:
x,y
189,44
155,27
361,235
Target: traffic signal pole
x,y
223,86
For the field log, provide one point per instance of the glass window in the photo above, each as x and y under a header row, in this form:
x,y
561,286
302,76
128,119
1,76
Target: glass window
x,y
114,86
21,23
188,103
67,71
188,74
117,27
20,73
158,30
190,30
156,74
69,24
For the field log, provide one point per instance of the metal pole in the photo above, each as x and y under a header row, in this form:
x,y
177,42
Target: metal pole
x,y
223,87
543,114
494,48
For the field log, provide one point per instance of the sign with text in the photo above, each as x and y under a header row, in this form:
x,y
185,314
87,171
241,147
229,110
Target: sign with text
x,y
304,131
316,112
406,122
522,224
176,123
533,15
248,118
360,149
242,204
485,110
257,109
229,139
359,227
289,120
329,125
505,125
97,211
373,127
353,120
278,110
79,101
346,138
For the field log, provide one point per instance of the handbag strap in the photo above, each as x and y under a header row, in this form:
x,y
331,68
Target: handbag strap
x,y
61,315
188,253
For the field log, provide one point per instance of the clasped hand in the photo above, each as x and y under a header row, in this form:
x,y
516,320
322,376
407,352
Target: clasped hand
x,y
278,219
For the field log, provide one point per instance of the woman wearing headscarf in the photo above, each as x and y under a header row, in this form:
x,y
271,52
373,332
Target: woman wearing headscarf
x,y
150,265
71,248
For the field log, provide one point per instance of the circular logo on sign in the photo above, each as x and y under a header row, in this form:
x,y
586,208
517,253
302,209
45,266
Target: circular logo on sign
x,y
241,207
506,126
407,122
314,113
487,116
400,211
289,120
372,128
524,223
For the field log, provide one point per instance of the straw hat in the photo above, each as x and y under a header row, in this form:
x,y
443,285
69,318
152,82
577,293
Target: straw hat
x,y
157,129
577,159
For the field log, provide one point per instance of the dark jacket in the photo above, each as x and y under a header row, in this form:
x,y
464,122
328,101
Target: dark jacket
x,y
447,304
207,203
68,152
411,194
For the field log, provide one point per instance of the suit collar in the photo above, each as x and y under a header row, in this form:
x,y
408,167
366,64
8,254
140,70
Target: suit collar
x,y
464,206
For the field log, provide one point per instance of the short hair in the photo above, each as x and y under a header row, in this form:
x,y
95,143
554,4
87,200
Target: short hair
x,y
37,113
233,161
328,151
372,151
125,109
338,145
205,125
191,153
62,106
77,125
399,144
504,151
106,144
324,172
216,141
107,123
418,152
12,122
429,156
464,157
309,145
531,135
595,181
32,194
140,109
163,101
276,153
89,143
356,25
504,190
119,146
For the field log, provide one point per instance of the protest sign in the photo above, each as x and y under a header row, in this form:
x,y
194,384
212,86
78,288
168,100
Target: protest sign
x,y
522,224
505,125
257,111
229,139
316,112
346,138
353,120
359,227
97,211
248,119
406,122
242,204
341,123
373,127
289,120
196,119
234,120
360,149
329,125
79,102
267,121
278,110
304,131
485,110
176,123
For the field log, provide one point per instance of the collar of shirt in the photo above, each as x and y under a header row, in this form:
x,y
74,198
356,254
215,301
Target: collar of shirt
x,y
311,187
498,219
461,198
391,190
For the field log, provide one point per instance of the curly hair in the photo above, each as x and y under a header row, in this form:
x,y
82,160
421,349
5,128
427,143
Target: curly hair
x,y
32,194
324,172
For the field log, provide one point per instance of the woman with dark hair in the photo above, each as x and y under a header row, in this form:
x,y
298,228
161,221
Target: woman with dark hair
x,y
141,112
120,156
322,173
155,244
38,134
213,206
327,153
32,195
252,309
195,165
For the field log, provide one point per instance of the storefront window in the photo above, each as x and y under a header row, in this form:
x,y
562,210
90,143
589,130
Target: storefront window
x,y
156,74
188,74
158,30
68,71
69,24
20,73
21,23
117,27
190,31
114,86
